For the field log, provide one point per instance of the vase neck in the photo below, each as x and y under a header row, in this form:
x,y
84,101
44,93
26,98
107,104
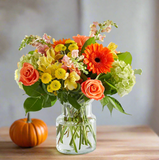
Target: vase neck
x,y
68,110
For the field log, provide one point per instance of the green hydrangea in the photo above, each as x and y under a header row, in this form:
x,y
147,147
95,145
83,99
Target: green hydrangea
x,y
29,58
123,77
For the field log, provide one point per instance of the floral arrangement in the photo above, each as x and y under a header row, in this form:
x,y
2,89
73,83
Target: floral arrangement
x,y
75,71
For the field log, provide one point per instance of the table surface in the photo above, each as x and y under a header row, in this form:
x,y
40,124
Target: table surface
x,y
113,143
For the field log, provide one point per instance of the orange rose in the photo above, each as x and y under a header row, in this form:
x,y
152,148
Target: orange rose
x,y
28,75
93,89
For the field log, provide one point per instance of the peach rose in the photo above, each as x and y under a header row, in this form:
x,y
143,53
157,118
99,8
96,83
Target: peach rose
x,y
80,40
28,75
93,89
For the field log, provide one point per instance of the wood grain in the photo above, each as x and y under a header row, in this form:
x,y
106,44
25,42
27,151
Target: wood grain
x,y
113,143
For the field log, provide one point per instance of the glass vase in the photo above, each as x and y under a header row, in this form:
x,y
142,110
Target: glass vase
x,y
76,129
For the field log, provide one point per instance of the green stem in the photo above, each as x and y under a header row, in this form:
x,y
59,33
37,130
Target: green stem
x,y
28,118
62,134
84,135
74,144
74,134
80,138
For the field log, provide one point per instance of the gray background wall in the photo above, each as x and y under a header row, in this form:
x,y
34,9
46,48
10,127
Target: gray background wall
x,y
138,33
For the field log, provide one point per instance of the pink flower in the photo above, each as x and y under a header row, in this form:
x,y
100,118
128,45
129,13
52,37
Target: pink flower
x,y
74,53
101,38
66,61
42,49
46,38
95,23
93,28
92,34
108,29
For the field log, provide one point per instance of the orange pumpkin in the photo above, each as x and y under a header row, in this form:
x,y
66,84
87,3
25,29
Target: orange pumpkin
x,y
28,133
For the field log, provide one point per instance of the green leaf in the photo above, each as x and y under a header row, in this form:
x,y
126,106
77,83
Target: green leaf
x,y
34,90
109,88
83,76
104,101
74,102
126,57
31,52
53,100
110,107
33,104
110,85
104,76
88,42
113,102
138,71
48,101
62,96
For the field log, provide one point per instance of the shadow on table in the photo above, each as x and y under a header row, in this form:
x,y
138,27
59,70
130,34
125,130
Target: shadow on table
x,y
7,147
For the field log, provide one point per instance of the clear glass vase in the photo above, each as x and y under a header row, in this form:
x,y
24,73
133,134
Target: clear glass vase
x,y
76,129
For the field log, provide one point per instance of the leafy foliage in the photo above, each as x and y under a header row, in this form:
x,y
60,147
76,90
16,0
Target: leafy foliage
x,y
48,101
33,104
62,96
104,77
125,56
73,102
88,42
112,103
34,90
38,98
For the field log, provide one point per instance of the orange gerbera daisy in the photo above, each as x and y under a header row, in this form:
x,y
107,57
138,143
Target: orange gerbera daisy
x,y
98,59
59,42
80,40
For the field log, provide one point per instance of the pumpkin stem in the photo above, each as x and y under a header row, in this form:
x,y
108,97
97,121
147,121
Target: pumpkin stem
x,y
28,118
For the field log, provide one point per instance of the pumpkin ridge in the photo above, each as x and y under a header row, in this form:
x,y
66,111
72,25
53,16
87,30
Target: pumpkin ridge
x,y
22,137
42,127
36,133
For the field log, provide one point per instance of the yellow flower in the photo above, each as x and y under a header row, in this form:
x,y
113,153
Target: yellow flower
x,y
60,73
63,48
70,82
42,63
51,57
53,40
55,85
69,54
49,88
112,46
69,41
60,47
46,62
52,68
72,47
46,78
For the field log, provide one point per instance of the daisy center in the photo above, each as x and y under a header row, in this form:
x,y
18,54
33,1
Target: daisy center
x,y
97,60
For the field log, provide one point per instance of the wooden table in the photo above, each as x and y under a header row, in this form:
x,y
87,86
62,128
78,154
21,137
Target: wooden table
x,y
113,143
